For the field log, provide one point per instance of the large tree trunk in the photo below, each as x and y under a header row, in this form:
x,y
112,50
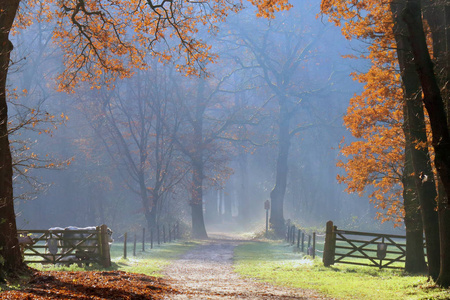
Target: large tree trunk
x,y
436,109
278,192
415,133
10,257
415,259
437,14
432,95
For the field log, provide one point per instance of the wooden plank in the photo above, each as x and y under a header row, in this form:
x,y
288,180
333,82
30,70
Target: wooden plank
x,y
349,232
370,250
365,241
368,265
375,258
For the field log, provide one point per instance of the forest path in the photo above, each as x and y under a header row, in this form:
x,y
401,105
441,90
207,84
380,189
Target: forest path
x,y
206,272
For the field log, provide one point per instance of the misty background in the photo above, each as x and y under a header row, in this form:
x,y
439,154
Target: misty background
x,y
81,158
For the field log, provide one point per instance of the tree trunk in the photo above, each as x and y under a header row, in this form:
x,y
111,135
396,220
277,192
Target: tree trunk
x,y
277,195
10,256
198,223
437,14
197,158
444,231
432,96
415,259
415,133
243,198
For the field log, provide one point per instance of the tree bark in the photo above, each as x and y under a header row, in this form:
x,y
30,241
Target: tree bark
x,y
198,223
415,259
432,95
437,14
10,256
415,133
277,194
197,158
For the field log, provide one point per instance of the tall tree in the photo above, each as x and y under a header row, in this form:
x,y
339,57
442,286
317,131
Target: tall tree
x,y
398,117
432,97
137,121
416,140
279,53
9,246
207,116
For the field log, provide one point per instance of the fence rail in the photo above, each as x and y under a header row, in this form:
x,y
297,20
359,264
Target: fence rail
x,y
363,248
62,246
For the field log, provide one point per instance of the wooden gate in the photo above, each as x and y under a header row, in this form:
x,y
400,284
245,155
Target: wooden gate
x,y
57,246
363,248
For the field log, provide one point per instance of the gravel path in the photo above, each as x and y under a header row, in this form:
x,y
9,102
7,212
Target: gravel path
x,y
206,272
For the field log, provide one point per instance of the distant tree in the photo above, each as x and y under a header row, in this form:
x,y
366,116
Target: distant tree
x,y
279,52
206,117
137,122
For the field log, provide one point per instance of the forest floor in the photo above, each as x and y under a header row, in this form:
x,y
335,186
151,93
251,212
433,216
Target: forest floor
x,y
205,272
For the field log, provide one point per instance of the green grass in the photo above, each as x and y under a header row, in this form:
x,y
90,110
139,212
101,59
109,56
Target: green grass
x,y
279,264
150,262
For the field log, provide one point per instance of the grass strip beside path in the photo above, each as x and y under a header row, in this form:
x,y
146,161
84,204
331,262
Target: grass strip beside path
x,y
277,263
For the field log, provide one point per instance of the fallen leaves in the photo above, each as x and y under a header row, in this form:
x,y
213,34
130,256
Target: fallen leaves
x,y
91,285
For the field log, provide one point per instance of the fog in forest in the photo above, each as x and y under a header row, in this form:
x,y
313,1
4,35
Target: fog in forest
x,y
161,143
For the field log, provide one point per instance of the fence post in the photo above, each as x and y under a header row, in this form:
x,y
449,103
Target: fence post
x,y
157,234
303,241
293,234
288,234
125,245
170,234
314,245
134,245
330,245
143,239
164,234
105,254
151,238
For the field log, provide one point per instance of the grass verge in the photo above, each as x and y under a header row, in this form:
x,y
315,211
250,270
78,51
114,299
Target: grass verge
x,y
276,263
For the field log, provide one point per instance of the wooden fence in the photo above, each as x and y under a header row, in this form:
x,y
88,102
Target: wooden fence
x,y
161,234
363,248
55,246
303,240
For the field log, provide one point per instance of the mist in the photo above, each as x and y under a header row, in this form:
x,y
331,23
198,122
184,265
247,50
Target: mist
x,y
161,146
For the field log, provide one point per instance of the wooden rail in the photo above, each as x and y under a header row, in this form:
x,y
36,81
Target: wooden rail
x,y
363,248
55,246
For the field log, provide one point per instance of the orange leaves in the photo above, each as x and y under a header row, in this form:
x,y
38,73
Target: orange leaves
x,y
375,117
267,8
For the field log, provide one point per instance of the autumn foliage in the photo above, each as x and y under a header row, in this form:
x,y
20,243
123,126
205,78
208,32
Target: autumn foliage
x,y
375,160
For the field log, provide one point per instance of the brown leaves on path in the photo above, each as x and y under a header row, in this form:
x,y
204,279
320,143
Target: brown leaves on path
x,y
91,285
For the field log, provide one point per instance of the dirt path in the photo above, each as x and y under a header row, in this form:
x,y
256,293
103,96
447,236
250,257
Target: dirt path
x,y
206,273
